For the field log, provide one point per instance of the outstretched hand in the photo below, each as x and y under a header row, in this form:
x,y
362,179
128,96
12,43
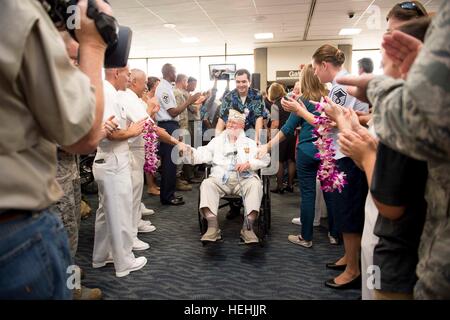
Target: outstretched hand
x,y
262,151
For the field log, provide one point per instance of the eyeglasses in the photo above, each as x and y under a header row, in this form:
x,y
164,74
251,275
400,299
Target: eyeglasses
x,y
412,6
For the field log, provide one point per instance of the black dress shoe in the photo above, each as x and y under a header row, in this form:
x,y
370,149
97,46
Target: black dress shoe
x,y
289,189
179,197
354,284
335,266
174,202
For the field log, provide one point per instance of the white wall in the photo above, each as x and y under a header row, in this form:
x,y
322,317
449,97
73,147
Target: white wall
x,y
289,58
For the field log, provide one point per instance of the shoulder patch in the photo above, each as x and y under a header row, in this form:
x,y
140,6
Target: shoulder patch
x,y
339,97
165,97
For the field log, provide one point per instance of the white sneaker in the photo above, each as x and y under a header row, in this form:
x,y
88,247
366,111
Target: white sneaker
x,y
296,221
139,245
146,228
299,223
143,222
97,265
332,239
138,264
145,211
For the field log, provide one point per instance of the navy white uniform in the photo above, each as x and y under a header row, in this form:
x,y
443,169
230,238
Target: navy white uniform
x,y
113,239
135,110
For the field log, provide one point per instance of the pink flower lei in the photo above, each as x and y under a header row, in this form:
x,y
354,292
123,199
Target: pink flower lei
x,y
328,174
151,147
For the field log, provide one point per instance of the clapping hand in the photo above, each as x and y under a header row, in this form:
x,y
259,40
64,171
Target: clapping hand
x,y
109,127
357,145
292,105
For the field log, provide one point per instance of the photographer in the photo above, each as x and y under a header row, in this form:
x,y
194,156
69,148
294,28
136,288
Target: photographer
x,y
45,101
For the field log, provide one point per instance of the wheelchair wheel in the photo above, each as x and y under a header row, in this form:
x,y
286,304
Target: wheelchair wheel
x,y
86,174
266,202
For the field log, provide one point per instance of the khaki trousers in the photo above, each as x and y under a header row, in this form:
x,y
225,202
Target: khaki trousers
x,y
212,189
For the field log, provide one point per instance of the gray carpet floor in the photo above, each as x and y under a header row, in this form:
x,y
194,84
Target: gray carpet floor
x,y
179,267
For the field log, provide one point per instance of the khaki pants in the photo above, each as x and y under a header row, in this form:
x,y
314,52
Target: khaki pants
x,y
212,189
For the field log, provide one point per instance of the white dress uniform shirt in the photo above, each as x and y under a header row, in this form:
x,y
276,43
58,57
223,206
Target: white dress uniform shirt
x,y
166,98
135,110
112,108
220,152
339,95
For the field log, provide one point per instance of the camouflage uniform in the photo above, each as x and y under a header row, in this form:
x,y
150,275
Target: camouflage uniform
x,y
181,96
68,207
413,117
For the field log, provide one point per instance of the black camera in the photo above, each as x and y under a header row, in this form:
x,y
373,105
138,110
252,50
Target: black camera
x,y
116,37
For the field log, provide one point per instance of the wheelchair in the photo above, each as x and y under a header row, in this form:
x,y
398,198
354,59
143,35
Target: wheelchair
x,y
88,185
262,223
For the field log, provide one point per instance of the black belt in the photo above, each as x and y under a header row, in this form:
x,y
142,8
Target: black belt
x,y
13,214
168,121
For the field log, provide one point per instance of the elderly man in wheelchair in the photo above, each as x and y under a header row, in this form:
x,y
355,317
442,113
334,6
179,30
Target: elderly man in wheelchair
x,y
234,164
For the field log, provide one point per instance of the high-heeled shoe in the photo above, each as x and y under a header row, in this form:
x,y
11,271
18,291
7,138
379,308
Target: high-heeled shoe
x,y
353,284
335,266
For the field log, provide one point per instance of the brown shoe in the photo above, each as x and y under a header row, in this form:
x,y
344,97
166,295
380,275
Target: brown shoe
x,y
87,294
180,180
85,210
183,187
211,235
249,236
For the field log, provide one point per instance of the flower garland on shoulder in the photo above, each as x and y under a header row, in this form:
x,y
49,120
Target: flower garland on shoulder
x,y
151,147
328,174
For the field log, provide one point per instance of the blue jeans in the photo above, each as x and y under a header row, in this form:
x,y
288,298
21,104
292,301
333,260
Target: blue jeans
x,y
34,256
307,167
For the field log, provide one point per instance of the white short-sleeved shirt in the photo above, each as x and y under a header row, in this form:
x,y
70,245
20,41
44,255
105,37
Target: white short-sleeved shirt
x,y
166,99
135,110
112,108
339,95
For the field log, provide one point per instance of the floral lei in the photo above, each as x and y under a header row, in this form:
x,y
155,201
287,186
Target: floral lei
x,y
151,147
328,174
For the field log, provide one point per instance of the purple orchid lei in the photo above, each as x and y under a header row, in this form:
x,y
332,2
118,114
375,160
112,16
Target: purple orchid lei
x,y
151,147
328,174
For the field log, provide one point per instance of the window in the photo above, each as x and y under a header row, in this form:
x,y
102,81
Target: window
x,y
187,66
197,67
138,64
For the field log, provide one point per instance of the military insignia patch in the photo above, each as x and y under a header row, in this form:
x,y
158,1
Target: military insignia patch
x,y
339,97
165,98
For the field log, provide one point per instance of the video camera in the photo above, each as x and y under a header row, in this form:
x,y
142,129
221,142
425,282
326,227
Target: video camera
x,y
116,37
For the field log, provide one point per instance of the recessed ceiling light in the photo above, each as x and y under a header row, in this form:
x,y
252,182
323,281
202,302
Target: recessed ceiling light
x,y
268,35
170,25
189,40
349,31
